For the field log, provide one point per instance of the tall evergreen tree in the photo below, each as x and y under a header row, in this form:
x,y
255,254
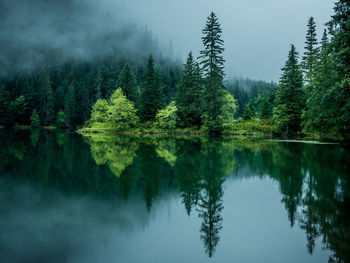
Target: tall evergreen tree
x,y
213,68
4,104
311,51
69,106
46,99
290,98
127,83
188,98
151,98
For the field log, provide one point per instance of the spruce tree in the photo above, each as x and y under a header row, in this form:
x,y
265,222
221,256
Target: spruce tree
x,y
127,83
151,98
189,95
249,111
69,106
290,99
311,52
213,68
46,99
4,104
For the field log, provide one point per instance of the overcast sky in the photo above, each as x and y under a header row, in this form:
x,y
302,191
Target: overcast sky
x,y
257,33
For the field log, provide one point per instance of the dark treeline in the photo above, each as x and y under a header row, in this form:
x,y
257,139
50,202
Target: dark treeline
x,y
246,90
315,196
73,89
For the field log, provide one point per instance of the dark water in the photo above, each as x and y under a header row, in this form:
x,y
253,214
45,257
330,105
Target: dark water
x,y
65,198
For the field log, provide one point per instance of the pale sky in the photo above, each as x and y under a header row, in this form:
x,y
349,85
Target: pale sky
x,y
257,33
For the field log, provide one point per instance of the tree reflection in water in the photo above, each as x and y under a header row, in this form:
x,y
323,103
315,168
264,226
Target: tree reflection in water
x,y
313,179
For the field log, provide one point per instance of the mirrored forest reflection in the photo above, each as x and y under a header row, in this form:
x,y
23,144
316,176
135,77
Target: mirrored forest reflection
x,y
313,179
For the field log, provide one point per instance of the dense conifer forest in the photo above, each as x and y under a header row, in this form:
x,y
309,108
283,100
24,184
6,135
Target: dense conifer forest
x,y
153,91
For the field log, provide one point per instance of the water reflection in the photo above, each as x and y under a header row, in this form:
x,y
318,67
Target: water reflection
x,y
313,179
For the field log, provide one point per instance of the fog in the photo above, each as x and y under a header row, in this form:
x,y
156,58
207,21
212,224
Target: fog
x,y
257,33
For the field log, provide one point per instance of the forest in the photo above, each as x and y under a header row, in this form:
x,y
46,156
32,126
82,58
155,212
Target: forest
x,y
152,91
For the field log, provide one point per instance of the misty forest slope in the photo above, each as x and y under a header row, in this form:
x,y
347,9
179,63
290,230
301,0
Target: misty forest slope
x,y
121,79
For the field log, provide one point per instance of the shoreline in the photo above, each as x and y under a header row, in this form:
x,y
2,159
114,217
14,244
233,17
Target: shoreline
x,y
316,138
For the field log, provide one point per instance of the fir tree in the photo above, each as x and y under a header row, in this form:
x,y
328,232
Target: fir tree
x,y
189,95
151,98
249,111
127,83
290,99
69,106
4,104
46,99
311,51
213,68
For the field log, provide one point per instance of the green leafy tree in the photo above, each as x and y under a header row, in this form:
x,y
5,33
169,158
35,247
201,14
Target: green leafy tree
x,y
166,118
188,98
213,68
229,109
35,119
99,111
290,99
127,83
121,113
151,98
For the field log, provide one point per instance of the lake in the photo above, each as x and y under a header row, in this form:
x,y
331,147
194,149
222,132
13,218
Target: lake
x,y
68,198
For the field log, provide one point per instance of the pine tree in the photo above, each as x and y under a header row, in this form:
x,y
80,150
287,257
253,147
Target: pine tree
x,y
189,95
290,99
213,68
151,98
46,99
4,104
249,111
127,83
311,52
69,106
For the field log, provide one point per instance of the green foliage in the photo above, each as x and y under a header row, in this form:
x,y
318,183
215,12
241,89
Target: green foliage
x,y
254,125
99,111
4,104
17,110
290,98
249,111
229,109
188,98
35,119
151,97
121,113
46,99
70,106
327,108
166,118
127,83
61,119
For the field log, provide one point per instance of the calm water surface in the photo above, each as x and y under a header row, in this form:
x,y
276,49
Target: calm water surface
x,y
65,198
